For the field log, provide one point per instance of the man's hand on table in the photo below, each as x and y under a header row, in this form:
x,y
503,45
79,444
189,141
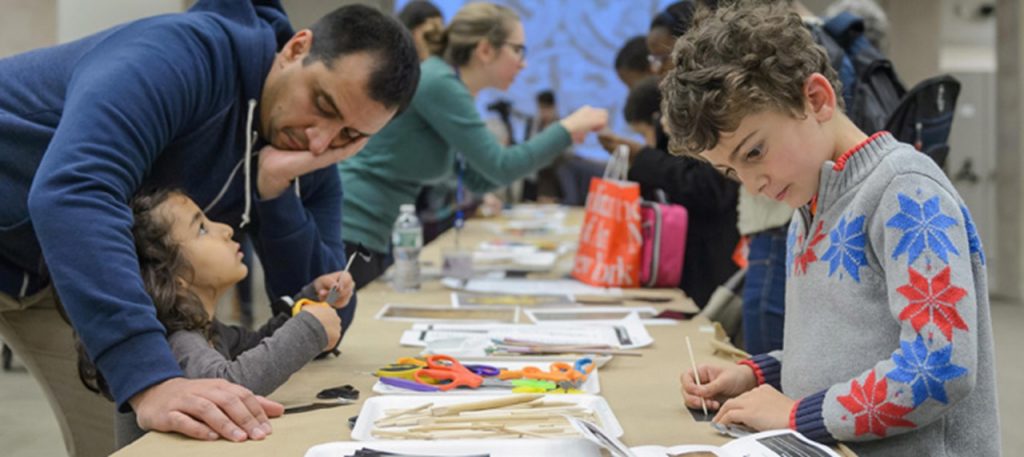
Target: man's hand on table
x,y
205,409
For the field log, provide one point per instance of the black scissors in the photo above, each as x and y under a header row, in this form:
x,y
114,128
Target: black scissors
x,y
328,398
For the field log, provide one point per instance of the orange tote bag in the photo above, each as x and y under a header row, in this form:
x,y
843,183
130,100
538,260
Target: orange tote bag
x,y
611,241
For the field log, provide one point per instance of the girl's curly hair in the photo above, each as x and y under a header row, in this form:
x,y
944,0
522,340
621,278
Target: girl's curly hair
x,y
745,57
162,267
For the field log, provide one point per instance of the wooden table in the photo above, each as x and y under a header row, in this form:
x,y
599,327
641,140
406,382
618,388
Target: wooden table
x,y
642,391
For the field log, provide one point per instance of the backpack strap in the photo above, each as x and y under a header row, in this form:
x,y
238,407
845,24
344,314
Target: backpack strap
x,y
839,60
845,28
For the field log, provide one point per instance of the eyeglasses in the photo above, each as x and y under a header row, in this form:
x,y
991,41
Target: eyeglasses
x,y
657,61
520,49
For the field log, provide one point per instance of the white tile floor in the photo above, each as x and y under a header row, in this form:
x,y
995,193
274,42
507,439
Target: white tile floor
x,y
27,428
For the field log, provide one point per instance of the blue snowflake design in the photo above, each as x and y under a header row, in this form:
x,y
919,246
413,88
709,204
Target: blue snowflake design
x,y
925,372
973,240
791,247
847,247
924,227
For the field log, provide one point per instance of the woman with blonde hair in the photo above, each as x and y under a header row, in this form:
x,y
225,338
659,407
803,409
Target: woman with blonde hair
x,y
484,46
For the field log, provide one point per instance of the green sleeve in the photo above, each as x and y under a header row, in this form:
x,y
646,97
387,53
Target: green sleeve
x,y
447,106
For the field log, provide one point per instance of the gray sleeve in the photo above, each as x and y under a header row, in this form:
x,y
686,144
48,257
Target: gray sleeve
x,y
262,368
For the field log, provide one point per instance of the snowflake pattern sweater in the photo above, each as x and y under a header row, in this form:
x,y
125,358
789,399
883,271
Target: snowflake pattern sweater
x,y
888,339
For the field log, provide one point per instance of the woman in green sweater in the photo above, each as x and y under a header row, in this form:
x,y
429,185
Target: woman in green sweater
x,y
483,47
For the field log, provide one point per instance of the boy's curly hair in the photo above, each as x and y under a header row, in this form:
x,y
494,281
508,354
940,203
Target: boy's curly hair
x,y
744,58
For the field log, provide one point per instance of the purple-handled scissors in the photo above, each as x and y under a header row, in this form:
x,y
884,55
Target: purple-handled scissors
x,y
407,384
483,370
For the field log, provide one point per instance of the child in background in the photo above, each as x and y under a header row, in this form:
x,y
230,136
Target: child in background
x,y
888,339
187,263
643,110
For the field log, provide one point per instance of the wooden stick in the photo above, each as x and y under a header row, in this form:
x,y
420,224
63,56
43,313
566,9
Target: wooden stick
x,y
404,412
521,411
484,404
529,433
696,374
512,418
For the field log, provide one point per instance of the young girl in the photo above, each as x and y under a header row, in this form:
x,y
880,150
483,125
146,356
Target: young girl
x,y
187,263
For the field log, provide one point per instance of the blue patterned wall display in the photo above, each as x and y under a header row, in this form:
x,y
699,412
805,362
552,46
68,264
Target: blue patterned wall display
x,y
571,50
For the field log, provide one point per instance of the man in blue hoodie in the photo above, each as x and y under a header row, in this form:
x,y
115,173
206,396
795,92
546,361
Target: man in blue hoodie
x,y
228,104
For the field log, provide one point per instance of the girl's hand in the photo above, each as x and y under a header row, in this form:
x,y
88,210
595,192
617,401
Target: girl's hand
x,y
717,383
329,319
346,286
763,408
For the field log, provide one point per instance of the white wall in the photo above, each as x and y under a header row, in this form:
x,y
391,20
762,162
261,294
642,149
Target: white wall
x,y
26,25
78,18
1009,271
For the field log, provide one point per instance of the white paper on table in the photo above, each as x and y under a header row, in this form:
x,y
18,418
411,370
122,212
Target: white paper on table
x,y
518,247
562,447
545,212
588,315
532,261
772,443
501,313
597,435
629,333
509,247
423,334
537,287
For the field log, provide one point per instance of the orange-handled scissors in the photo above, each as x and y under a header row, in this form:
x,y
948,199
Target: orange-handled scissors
x,y
531,372
297,307
446,368
568,370
332,296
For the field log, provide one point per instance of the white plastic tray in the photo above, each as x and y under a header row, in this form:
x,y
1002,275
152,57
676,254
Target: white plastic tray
x,y
591,386
570,447
374,408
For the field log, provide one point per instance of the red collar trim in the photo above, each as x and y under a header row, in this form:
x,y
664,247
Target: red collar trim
x,y
841,161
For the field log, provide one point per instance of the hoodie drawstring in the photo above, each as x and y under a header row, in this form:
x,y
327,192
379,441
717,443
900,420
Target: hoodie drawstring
x,y
250,138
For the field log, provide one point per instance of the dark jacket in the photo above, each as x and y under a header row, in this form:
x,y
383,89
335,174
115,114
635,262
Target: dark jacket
x,y
158,102
710,199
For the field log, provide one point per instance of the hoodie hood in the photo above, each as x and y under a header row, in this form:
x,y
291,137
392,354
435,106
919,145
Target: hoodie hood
x,y
256,34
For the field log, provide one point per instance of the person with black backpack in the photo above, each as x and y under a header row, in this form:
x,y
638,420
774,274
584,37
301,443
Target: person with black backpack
x,y
875,97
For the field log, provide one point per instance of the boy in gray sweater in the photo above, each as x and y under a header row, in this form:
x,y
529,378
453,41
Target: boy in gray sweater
x,y
888,340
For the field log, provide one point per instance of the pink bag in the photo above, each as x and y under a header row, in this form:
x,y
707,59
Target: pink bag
x,y
664,231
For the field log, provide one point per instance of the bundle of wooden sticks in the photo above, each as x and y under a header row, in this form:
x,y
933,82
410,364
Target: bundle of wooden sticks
x,y
516,416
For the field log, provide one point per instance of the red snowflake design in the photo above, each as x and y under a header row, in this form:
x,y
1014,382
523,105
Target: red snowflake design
x,y
933,301
871,412
807,256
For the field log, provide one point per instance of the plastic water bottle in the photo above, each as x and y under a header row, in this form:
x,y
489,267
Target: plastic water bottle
x,y
406,242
